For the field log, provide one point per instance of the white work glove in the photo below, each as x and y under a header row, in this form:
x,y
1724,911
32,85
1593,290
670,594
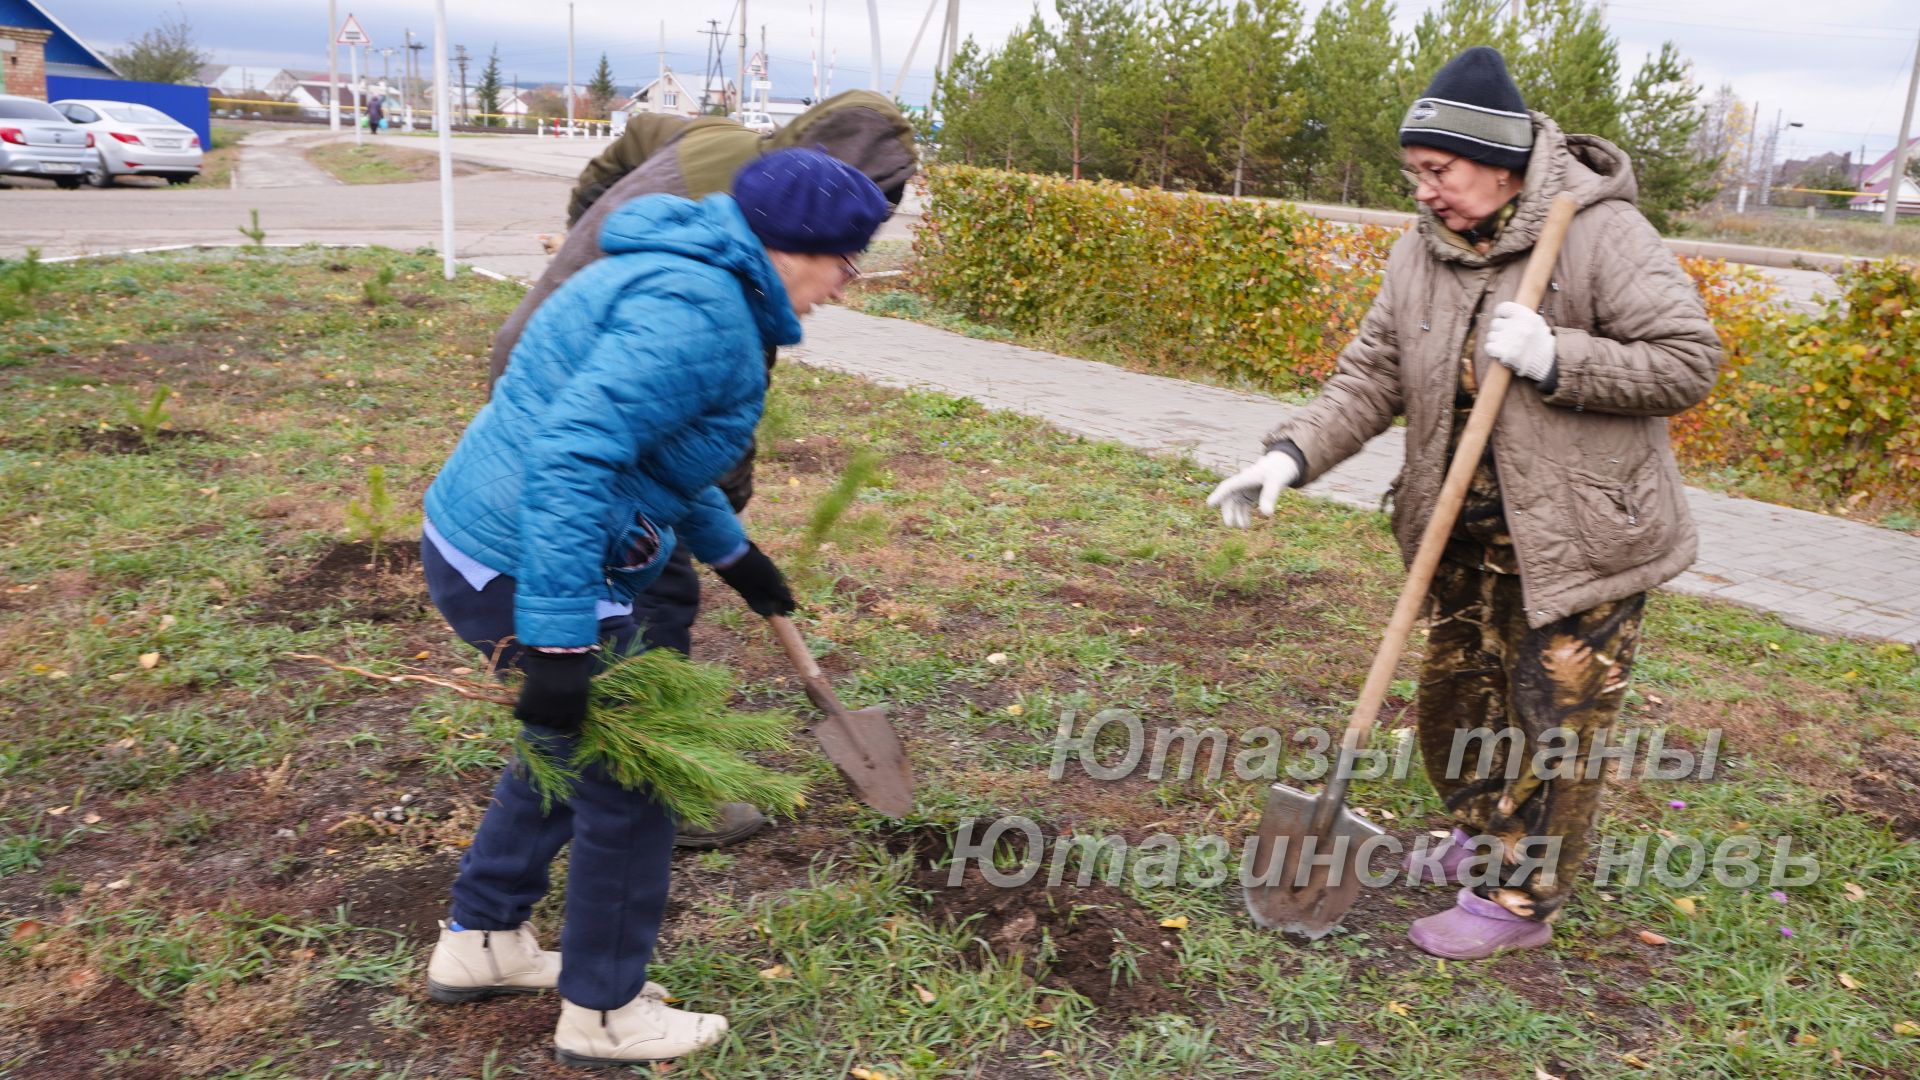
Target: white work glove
x,y
1263,479
1519,338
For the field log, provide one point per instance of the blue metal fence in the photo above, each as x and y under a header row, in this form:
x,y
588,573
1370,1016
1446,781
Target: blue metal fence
x,y
187,104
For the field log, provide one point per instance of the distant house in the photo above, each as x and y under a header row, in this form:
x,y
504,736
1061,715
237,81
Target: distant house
x,y
275,84
1874,185
34,44
673,93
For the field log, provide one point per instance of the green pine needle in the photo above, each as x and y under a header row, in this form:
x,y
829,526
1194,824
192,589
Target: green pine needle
x,y
662,722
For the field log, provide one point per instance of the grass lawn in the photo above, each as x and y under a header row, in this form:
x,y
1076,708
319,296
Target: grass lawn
x,y
372,162
219,862
1835,231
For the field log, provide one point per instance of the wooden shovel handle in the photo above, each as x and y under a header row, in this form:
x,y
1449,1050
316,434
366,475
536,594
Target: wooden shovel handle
x,y
1466,459
818,689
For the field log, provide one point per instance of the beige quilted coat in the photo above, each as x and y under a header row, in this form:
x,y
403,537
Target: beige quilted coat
x,y
1594,502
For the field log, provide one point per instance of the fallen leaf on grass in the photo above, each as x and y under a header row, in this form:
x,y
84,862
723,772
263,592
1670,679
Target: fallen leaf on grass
x,y
1016,709
777,971
56,811
927,997
1847,981
868,1074
1634,1060
120,884
1652,938
90,819
1906,1027
1855,893
1037,1023
1542,1074
26,928
149,660
1397,1008
1806,1039
1178,922
1686,906
422,655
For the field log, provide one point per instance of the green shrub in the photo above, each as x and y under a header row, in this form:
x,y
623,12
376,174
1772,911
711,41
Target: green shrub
x,y
1256,290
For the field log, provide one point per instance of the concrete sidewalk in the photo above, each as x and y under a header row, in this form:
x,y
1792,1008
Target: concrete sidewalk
x,y
1820,573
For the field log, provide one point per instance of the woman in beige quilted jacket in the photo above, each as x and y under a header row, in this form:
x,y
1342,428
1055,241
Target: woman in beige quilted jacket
x,y
1576,509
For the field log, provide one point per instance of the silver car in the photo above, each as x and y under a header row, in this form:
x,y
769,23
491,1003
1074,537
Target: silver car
x,y
135,140
35,140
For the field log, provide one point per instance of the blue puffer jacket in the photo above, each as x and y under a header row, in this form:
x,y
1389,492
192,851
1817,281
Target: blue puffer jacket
x,y
634,387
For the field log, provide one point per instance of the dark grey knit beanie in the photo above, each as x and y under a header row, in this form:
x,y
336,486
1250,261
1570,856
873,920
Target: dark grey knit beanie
x,y
1472,108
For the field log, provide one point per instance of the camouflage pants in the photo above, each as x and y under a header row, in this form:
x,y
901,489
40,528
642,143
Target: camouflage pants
x,y
1485,668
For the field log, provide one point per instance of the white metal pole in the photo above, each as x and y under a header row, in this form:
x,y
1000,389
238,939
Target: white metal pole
x,y
441,107
901,77
826,85
359,92
1899,173
569,70
333,69
873,26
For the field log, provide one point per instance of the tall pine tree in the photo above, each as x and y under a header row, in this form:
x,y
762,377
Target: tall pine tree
x,y
1662,117
487,92
1351,78
601,91
1253,105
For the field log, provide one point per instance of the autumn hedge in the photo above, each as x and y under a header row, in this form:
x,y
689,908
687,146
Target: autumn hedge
x,y
1262,292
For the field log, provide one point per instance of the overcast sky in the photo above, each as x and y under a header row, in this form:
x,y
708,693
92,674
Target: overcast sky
x,y
1840,69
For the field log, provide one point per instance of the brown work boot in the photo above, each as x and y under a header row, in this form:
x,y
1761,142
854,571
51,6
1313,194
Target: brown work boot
x,y
738,821
644,1029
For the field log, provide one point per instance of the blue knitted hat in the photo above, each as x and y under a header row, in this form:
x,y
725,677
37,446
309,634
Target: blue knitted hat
x,y
809,203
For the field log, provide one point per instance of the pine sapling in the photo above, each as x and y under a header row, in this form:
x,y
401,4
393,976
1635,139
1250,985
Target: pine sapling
x,y
861,470
147,420
256,234
378,517
661,722
375,289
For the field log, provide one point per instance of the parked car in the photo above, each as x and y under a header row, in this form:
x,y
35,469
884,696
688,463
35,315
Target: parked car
x,y
135,140
36,140
754,120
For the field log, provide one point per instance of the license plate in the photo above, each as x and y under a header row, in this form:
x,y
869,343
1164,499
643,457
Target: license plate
x,y
55,166
166,144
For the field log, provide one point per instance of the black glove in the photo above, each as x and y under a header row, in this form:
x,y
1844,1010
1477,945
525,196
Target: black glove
x,y
554,694
758,582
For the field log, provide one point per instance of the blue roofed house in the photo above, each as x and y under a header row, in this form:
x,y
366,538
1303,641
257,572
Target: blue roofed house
x,y
35,44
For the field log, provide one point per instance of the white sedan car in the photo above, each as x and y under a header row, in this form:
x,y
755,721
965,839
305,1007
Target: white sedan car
x,y
135,140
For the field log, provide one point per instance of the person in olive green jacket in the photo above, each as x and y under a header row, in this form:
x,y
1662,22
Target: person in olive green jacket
x,y
695,158
1576,509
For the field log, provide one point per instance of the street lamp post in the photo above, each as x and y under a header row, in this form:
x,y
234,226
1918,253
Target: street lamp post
x,y
1773,146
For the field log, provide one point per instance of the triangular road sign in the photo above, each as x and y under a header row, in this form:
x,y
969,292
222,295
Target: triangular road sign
x,y
351,34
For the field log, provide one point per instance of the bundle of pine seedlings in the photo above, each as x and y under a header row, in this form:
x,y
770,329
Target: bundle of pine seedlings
x,y
660,721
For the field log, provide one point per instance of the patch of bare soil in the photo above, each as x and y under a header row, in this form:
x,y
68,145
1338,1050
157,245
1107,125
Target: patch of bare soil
x,y
76,1041
1094,939
346,580
409,901
1887,787
122,440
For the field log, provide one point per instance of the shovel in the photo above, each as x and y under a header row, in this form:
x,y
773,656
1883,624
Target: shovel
x,y
862,745
1310,851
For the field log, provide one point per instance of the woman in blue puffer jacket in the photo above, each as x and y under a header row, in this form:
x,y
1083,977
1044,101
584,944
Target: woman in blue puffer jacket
x,y
633,389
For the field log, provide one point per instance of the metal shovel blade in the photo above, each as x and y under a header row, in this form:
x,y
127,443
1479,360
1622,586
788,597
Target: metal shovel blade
x,y
1299,881
867,751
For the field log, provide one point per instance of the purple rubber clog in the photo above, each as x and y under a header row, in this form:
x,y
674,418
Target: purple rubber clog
x,y
1457,850
1476,928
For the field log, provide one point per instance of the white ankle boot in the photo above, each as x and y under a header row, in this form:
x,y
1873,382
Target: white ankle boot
x,y
644,1029
468,965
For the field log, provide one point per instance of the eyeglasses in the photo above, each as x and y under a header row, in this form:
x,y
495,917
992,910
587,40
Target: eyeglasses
x,y
848,268
1428,176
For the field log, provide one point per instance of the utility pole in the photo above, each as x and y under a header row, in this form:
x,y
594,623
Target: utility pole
x,y
741,94
1899,173
414,69
658,103
516,95
873,27
460,58
715,50
569,69
333,69
1766,168
953,31
446,133
1746,170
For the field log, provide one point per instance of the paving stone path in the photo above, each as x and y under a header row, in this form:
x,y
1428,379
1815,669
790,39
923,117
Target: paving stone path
x,y
1816,572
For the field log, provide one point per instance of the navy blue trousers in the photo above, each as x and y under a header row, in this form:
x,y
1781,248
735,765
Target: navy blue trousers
x,y
622,852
